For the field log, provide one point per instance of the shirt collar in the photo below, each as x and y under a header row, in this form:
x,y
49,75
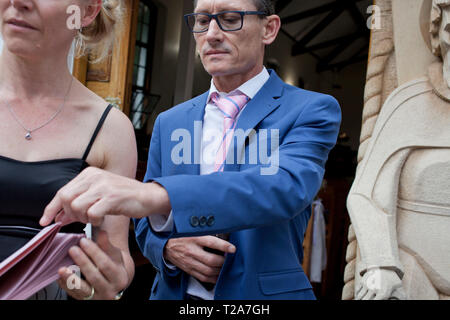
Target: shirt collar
x,y
249,88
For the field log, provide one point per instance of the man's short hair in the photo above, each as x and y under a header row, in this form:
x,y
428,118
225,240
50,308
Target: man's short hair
x,y
266,6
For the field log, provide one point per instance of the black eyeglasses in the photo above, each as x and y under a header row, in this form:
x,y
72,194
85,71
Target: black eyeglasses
x,y
226,20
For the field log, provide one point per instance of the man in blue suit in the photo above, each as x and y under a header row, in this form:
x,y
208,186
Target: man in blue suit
x,y
254,191
265,215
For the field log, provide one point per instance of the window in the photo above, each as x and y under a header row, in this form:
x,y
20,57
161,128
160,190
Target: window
x,y
143,102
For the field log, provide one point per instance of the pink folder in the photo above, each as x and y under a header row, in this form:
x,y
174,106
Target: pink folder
x,y
36,264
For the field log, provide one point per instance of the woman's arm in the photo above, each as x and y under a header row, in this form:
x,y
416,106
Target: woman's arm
x,y
107,264
120,158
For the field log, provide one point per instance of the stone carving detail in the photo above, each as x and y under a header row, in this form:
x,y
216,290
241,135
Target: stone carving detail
x,y
381,80
399,203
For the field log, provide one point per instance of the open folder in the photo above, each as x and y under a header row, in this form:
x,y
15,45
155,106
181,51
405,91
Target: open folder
x,y
36,264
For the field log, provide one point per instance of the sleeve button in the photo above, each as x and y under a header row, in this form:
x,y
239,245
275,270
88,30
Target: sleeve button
x,y
210,221
194,221
202,221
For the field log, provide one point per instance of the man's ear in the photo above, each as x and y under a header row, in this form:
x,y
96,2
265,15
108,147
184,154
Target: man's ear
x,y
91,11
272,26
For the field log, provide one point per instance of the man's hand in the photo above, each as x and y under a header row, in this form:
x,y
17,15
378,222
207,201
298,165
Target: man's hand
x,y
189,255
380,284
102,266
95,193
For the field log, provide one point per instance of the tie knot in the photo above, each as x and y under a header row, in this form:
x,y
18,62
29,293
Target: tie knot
x,y
230,105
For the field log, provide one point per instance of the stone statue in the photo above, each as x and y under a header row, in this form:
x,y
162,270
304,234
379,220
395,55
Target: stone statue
x,y
399,203
381,80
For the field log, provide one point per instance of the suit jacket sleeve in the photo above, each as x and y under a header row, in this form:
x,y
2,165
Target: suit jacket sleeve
x,y
150,242
232,201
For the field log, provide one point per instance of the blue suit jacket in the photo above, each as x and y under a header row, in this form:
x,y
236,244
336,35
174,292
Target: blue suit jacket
x,y
266,215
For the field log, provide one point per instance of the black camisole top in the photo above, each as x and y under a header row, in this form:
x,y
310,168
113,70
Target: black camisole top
x,y
26,188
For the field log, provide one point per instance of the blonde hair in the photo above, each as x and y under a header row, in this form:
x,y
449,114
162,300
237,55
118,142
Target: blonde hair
x,y
98,37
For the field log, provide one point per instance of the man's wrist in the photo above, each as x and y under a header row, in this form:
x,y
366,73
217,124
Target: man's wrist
x,y
156,199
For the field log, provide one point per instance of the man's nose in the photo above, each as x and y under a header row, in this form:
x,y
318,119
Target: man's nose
x,y
214,32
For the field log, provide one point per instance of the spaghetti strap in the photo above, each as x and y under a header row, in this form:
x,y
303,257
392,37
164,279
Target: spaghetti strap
x,y
97,130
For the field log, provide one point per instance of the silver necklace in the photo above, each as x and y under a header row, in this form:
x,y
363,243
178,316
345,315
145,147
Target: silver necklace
x,y
30,131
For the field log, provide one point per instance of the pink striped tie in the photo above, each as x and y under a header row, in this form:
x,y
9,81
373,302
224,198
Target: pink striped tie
x,y
230,106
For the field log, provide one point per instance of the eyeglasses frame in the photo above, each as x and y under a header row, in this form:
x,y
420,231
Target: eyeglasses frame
x,y
215,17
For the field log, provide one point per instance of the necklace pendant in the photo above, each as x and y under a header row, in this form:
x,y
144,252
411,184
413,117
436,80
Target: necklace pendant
x,y
28,135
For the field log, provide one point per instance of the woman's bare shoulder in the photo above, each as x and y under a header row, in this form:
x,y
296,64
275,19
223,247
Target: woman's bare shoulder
x,y
116,140
93,106
119,142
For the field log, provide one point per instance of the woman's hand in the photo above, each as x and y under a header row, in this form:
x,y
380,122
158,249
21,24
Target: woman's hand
x,y
102,266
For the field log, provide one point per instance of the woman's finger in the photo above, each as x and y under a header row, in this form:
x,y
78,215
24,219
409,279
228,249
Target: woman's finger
x,y
91,273
74,285
113,272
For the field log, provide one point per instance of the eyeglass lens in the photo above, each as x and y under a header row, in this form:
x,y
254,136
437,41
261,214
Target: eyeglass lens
x,y
228,21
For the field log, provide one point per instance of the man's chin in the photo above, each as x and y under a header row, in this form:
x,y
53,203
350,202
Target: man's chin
x,y
219,71
217,67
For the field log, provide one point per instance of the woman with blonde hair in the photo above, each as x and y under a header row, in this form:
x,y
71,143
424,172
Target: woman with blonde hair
x,y
52,127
